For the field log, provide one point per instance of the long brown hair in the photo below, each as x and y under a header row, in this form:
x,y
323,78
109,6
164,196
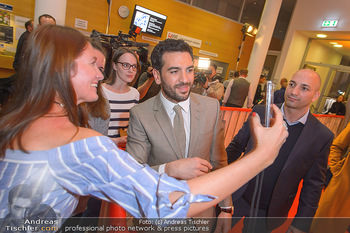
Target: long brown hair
x,y
49,61
116,55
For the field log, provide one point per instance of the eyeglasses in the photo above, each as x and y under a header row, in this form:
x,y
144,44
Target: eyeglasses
x,y
127,66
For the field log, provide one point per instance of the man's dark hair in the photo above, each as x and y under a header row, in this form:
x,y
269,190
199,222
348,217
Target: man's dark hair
x,y
236,74
214,65
28,23
168,45
243,71
22,191
46,16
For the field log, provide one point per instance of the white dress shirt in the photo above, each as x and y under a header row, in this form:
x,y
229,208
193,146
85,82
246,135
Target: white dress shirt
x,y
185,109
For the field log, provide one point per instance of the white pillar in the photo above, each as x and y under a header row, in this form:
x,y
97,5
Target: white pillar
x,y
262,42
55,8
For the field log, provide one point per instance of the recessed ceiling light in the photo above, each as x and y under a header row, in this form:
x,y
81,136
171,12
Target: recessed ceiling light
x,y
338,45
333,42
321,35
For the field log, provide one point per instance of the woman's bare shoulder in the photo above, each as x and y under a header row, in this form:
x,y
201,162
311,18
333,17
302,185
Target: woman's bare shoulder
x,y
85,133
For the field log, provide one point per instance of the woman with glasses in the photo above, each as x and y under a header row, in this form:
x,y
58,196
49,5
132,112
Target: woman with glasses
x,y
120,95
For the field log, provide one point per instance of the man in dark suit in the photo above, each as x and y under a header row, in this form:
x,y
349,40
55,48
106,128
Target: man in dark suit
x,y
153,136
29,25
302,157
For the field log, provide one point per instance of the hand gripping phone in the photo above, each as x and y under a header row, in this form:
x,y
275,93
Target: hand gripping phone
x,y
269,102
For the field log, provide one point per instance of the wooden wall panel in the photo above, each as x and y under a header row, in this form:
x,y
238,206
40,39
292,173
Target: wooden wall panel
x,y
23,8
223,35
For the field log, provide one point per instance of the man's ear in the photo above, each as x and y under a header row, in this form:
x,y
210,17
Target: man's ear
x,y
316,95
156,75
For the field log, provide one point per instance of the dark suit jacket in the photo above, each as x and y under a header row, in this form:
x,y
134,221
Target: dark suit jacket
x,y
20,50
307,161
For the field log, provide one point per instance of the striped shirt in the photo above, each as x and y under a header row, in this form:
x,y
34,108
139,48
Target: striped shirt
x,y
92,166
120,104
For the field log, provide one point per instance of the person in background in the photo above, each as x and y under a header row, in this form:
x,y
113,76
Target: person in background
x,y
213,77
142,55
258,94
302,157
120,95
147,86
237,91
213,87
226,82
209,87
278,95
43,141
338,107
29,25
335,203
46,19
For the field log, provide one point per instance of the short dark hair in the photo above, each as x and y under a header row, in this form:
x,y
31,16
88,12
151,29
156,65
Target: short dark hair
x,y
243,71
20,191
28,23
214,65
168,45
46,16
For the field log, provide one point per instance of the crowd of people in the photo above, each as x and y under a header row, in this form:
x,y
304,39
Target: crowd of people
x,y
68,131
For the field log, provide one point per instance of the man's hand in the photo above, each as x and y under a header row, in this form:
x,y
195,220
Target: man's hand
x,y
187,168
292,229
223,224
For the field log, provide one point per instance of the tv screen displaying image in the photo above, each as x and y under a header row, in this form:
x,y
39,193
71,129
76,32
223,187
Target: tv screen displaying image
x,y
149,21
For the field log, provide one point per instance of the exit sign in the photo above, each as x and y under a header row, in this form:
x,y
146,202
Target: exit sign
x,y
329,23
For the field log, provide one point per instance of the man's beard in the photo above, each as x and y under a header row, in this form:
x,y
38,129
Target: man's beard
x,y
171,92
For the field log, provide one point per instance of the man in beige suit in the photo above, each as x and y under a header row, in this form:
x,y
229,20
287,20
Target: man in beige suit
x,y
152,137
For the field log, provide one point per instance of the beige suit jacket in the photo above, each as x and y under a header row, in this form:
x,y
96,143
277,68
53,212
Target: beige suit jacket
x,y
151,138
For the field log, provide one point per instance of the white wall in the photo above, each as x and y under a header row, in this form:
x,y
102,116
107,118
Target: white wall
x,y
308,16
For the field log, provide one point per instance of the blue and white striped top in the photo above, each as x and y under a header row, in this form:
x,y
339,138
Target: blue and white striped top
x,y
93,166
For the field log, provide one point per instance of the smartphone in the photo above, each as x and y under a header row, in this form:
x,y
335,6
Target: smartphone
x,y
270,87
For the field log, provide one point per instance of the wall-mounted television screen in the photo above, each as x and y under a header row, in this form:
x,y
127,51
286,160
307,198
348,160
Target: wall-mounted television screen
x,y
151,22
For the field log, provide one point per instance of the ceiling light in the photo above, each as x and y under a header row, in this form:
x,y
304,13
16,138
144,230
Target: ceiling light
x,y
249,30
333,42
321,35
203,63
338,45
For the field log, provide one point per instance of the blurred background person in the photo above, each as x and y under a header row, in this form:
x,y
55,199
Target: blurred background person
x,y
46,19
338,107
147,86
213,76
226,82
259,94
335,201
278,95
29,25
237,91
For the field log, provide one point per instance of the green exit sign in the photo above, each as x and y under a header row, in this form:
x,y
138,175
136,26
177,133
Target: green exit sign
x,y
329,23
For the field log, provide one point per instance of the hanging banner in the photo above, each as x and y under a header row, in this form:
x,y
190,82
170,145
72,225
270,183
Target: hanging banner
x,y
191,41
